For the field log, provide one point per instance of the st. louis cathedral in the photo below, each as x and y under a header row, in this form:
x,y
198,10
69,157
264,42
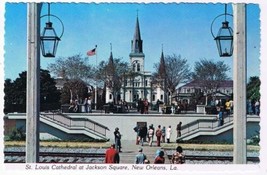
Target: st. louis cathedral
x,y
140,86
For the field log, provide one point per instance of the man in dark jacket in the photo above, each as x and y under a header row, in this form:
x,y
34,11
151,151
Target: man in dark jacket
x,y
142,134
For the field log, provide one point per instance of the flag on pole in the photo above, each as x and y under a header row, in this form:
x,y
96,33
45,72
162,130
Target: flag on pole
x,y
91,52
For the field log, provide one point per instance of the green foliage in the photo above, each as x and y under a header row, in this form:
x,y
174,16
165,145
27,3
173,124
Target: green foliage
x,y
201,142
17,134
253,88
15,93
255,139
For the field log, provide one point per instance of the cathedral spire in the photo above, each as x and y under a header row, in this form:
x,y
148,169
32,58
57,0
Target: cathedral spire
x,y
162,70
111,56
137,43
111,69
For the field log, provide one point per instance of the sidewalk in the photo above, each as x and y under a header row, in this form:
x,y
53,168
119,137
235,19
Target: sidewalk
x,y
130,150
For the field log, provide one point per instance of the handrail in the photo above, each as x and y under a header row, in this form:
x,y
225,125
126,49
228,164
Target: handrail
x,y
65,120
85,119
203,123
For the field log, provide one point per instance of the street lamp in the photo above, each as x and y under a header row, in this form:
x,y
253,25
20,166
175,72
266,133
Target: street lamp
x,y
239,74
49,38
224,38
33,74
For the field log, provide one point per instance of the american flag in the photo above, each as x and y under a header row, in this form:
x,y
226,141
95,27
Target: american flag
x,y
91,52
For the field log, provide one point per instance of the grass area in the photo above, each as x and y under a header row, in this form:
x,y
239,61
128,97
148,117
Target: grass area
x,y
207,147
191,146
62,144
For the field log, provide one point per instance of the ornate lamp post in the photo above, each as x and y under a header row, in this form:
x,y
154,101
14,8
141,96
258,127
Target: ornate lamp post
x,y
224,38
33,75
225,44
49,38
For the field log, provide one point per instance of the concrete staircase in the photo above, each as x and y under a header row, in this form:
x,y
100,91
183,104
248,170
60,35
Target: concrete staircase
x,y
209,127
75,125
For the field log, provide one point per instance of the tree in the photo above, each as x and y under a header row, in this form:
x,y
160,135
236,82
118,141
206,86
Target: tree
x,y
73,67
9,97
49,95
177,71
210,74
15,93
74,90
253,88
111,74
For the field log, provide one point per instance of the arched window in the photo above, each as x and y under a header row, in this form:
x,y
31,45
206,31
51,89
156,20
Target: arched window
x,y
138,67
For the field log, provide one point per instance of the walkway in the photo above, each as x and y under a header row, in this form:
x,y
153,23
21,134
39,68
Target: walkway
x,y
130,149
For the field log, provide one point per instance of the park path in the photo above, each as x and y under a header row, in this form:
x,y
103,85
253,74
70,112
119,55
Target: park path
x,y
130,150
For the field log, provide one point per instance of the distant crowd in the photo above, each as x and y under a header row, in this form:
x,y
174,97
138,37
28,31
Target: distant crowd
x,y
144,134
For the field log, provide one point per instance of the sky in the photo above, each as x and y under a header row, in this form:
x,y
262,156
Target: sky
x,y
183,29
177,28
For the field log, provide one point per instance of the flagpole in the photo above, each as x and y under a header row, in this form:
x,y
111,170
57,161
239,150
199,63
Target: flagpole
x,y
96,80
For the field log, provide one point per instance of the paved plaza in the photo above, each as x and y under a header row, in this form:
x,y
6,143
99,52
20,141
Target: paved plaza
x,y
130,149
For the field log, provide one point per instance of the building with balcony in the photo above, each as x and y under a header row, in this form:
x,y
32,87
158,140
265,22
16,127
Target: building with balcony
x,y
222,90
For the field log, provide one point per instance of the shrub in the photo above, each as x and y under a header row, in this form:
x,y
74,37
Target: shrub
x,y
255,139
17,134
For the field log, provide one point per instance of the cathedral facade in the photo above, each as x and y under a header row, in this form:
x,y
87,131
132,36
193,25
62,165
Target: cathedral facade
x,y
139,85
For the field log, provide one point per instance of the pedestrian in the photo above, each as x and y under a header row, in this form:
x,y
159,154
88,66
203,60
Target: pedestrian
x,y
158,135
228,107
249,106
142,134
178,157
163,131
220,116
146,104
257,107
112,155
150,135
117,135
89,104
168,134
71,107
140,157
126,107
178,129
158,106
76,106
137,129
85,104
140,107
160,158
